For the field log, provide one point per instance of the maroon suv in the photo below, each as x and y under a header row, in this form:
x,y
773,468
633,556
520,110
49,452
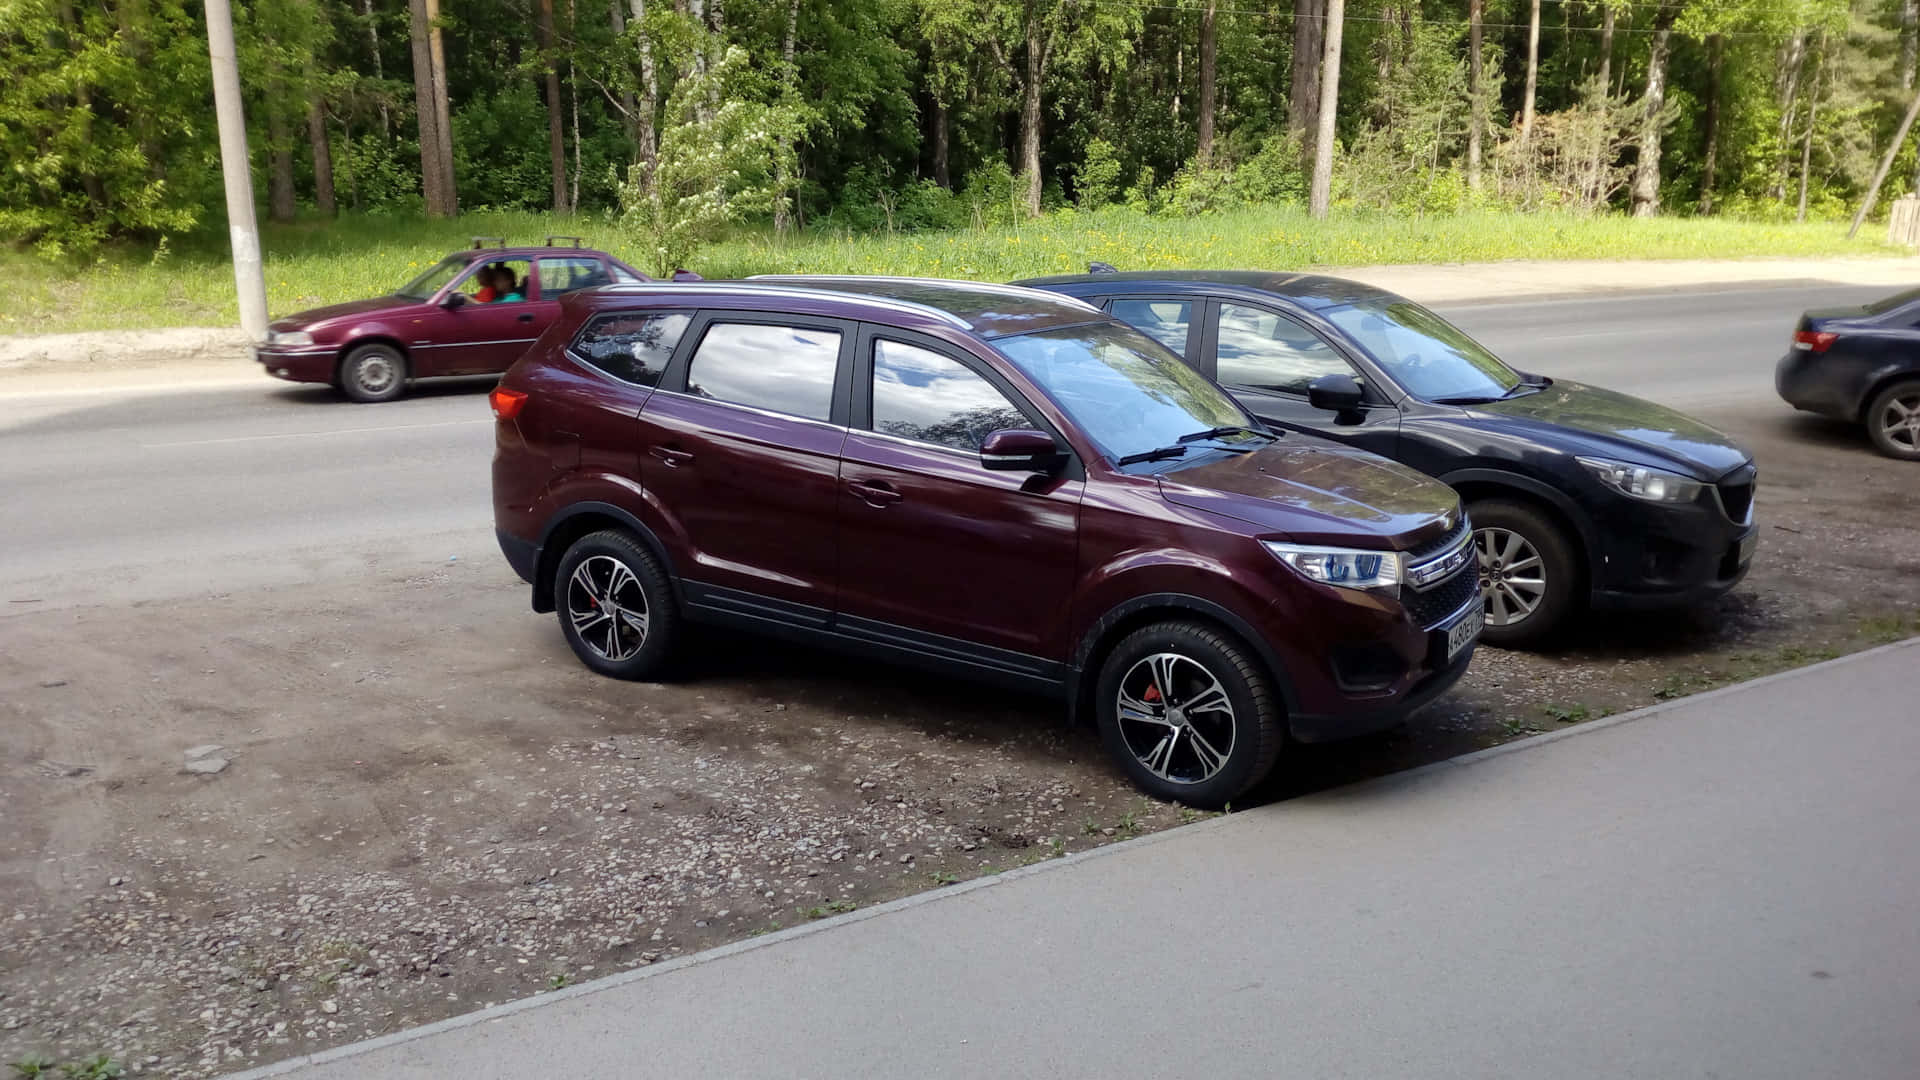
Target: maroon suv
x,y
987,480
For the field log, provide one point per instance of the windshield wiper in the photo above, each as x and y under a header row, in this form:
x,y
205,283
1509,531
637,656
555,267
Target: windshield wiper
x,y
1158,453
1518,390
1229,429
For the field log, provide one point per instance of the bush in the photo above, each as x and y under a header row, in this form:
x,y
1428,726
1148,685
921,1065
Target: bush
x,y
1274,174
1097,181
989,195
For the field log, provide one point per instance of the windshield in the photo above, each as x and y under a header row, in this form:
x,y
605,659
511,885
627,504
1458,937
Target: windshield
x,y
424,286
1423,352
1121,387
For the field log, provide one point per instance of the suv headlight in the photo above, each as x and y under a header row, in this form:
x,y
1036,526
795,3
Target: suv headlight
x,y
1348,568
289,337
1641,482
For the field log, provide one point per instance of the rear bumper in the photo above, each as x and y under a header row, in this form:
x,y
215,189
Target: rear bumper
x,y
314,365
1823,383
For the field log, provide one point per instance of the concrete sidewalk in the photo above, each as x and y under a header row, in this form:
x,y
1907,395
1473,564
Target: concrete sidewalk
x,y
1725,886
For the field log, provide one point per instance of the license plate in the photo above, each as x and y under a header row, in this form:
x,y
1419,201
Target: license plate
x,y
1746,549
1463,633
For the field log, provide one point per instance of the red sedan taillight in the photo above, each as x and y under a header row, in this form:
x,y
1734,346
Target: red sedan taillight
x,y
1814,340
506,403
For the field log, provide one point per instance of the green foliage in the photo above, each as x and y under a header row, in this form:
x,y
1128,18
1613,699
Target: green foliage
x,y
717,165
1097,183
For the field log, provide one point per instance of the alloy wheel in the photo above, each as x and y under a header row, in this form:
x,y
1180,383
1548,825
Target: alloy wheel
x,y
1513,579
1176,718
1900,422
607,607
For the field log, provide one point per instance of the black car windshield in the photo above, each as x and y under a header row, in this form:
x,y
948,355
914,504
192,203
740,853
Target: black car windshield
x,y
1426,354
1123,389
424,286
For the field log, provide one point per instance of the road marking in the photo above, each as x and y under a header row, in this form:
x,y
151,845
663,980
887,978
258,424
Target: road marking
x,y
311,434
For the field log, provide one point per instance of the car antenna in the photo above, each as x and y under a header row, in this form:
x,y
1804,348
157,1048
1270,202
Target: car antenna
x,y
578,242
1101,268
489,242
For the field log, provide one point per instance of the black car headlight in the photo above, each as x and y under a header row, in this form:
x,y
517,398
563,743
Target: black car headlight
x,y
1652,485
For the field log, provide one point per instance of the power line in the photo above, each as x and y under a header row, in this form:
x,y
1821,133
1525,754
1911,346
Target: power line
x,y
1142,5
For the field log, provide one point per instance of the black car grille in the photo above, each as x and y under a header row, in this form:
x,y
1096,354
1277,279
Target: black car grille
x,y
1436,546
1737,497
1430,607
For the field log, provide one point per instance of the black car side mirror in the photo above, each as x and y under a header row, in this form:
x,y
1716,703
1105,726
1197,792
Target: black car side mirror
x,y
1336,393
1019,450
454,300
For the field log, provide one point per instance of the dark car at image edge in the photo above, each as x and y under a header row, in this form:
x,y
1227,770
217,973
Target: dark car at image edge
x,y
1583,498
1860,365
991,482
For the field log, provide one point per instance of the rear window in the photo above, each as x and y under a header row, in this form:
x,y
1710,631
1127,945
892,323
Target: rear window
x,y
632,347
783,369
1881,307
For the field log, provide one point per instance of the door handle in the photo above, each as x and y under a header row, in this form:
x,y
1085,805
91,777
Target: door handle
x,y
525,318
874,492
673,458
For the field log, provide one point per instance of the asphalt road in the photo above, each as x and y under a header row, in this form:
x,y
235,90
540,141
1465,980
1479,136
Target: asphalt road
x,y
128,498
1687,893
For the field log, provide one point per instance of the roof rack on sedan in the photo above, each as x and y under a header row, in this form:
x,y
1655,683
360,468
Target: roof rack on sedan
x,y
971,286
480,242
771,289
578,241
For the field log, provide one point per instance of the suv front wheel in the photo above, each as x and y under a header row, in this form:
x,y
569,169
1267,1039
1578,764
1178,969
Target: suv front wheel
x,y
1188,714
615,605
1527,573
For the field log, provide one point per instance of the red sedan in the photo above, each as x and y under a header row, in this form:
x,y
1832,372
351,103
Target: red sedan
x,y
473,313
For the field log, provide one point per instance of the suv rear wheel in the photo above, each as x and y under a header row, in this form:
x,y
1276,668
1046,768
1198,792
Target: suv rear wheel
x,y
1188,714
1527,573
615,605
373,373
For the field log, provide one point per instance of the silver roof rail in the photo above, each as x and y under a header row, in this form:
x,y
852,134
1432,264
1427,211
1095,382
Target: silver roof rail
x,y
719,288
975,286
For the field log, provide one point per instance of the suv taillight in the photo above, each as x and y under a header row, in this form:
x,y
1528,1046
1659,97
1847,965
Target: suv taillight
x,y
506,403
1814,340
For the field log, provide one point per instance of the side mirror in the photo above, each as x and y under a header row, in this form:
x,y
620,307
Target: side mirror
x,y
455,300
1336,393
1019,450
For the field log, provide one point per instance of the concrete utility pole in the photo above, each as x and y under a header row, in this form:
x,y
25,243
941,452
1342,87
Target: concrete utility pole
x,y
248,276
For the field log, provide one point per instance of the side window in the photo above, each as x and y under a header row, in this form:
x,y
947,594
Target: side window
x,y
559,277
634,347
787,369
1264,351
497,281
621,277
1165,321
927,397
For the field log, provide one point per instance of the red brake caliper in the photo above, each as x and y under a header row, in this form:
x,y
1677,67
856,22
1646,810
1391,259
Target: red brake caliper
x,y
1152,694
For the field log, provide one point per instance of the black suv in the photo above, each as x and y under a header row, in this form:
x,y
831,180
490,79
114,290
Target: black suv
x,y
1579,496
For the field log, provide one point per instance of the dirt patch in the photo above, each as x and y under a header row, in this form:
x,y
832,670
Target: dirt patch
x,y
428,806
119,350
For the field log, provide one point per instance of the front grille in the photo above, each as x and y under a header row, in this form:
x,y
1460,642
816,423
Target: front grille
x,y
1737,498
1436,546
1442,600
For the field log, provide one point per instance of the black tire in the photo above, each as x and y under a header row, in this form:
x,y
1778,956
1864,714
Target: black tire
x,y
1893,420
617,644
1252,730
1506,587
373,372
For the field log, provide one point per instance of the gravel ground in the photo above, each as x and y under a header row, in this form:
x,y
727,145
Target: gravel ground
x,y
242,827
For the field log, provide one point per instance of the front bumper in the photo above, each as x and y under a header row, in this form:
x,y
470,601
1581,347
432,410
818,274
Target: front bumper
x,y
1650,556
310,364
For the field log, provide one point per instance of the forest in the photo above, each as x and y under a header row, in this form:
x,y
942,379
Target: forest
x,y
683,118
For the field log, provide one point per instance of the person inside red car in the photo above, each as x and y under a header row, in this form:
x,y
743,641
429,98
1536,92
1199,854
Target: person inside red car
x,y
510,291
487,294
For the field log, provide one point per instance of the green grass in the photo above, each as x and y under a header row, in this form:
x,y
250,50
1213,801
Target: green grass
x,y
190,282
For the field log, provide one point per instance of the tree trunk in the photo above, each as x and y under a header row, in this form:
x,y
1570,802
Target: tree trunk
x,y
1708,168
1030,113
1646,171
556,127
1533,72
442,109
573,94
1909,39
1204,153
1309,41
1806,146
790,82
279,158
1476,108
322,157
941,139
1320,195
629,104
1606,48
433,183
379,71
649,147
1886,162
1786,87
